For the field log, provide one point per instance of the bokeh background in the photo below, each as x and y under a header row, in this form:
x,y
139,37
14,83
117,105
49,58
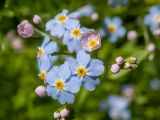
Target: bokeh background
x,y
18,65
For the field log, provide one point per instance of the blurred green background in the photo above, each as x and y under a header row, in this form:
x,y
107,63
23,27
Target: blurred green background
x,y
18,66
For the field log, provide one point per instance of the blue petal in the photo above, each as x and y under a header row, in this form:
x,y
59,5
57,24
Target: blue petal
x,y
90,83
51,91
67,37
120,32
45,63
50,24
73,85
74,45
147,19
113,38
83,58
45,41
154,9
51,47
117,21
95,68
51,77
65,97
64,71
71,23
58,30
102,32
74,15
72,64
107,21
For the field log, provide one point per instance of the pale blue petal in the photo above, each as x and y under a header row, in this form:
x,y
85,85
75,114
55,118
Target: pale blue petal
x,y
45,63
95,68
90,83
51,91
113,38
71,23
107,21
154,9
51,47
67,37
64,71
51,77
147,19
117,21
50,24
74,15
45,41
65,97
72,64
74,45
83,58
120,32
102,32
58,30
73,85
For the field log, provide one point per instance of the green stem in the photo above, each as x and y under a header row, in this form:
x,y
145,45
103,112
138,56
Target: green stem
x,y
146,36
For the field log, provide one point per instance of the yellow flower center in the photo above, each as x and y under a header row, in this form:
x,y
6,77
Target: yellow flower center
x,y
76,33
92,43
59,84
43,75
111,28
81,71
40,52
62,19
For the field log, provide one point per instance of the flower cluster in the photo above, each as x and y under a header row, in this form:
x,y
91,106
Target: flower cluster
x,y
129,63
61,115
63,81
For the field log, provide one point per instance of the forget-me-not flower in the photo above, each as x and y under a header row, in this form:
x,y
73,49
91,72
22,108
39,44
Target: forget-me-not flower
x,y
86,70
45,60
72,38
115,3
153,18
61,85
113,29
61,22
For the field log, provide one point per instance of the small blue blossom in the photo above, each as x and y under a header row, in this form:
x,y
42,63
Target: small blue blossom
x,y
61,22
61,85
83,68
115,3
72,38
155,84
153,18
113,29
44,58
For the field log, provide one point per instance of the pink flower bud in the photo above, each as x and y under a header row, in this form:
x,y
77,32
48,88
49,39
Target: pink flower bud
x,y
94,17
36,19
56,115
40,91
115,68
151,47
25,29
64,113
119,60
91,41
132,35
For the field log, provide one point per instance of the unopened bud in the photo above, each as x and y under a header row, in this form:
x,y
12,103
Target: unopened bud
x,y
132,60
36,19
64,113
127,65
56,115
115,68
119,60
40,91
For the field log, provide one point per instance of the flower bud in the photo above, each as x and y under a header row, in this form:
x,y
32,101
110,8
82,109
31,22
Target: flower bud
x,y
156,32
134,66
36,19
56,115
91,41
132,35
40,91
151,47
119,60
115,68
64,113
132,60
94,16
127,65
25,29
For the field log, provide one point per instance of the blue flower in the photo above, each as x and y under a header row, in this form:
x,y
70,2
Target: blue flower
x,y
115,3
113,29
153,18
61,85
44,58
72,38
61,22
84,69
